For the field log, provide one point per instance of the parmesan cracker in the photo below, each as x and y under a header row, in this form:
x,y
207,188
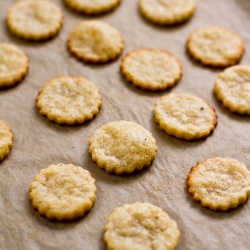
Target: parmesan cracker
x,y
91,7
6,138
219,183
167,12
63,192
122,147
34,20
140,226
185,116
13,65
69,100
151,69
232,88
95,41
215,46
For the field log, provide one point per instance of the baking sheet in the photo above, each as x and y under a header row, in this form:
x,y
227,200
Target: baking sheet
x,y
39,142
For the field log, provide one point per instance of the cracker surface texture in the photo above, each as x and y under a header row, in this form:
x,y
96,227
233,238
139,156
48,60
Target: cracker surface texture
x,y
122,147
167,12
151,69
232,88
69,100
34,20
63,192
14,65
6,138
185,116
219,183
92,7
95,41
140,226
215,46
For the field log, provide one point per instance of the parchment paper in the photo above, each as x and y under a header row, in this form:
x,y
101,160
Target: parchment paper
x,y
39,142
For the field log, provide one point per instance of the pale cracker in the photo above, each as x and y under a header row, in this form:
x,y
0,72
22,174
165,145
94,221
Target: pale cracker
x,y
232,88
122,147
95,41
167,12
69,100
34,20
63,192
219,183
92,7
151,69
14,65
6,139
140,226
185,116
215,46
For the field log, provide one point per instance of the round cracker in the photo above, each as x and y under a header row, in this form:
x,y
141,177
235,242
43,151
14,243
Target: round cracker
x,y
167,12
122,147
63,192
151,69
6,138
13,65
215,46
232,88
69,100
91,7
219,183
185,116
95,41
140,226
34,20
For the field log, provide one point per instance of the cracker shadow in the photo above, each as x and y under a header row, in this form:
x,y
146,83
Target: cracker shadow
x,y
131,87
244,4
60,128
225,111
29,43
86,16
54,224
162,27
210,214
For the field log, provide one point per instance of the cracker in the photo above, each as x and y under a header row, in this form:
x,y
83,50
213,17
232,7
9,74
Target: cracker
x,y
232,88
69,100
219,183
91,7
14,65
6,138
34,20
215,46
151,69
185,116
95,41
140,226
167,12
122,147
63,192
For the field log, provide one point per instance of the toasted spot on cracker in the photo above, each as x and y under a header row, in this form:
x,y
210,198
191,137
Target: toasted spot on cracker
x,y
63,192
34,20
232,88
151,69
122,147
185,116
69,100
140,226
95,41
91,7
167,12
13,65
219,183
215,46
6,138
